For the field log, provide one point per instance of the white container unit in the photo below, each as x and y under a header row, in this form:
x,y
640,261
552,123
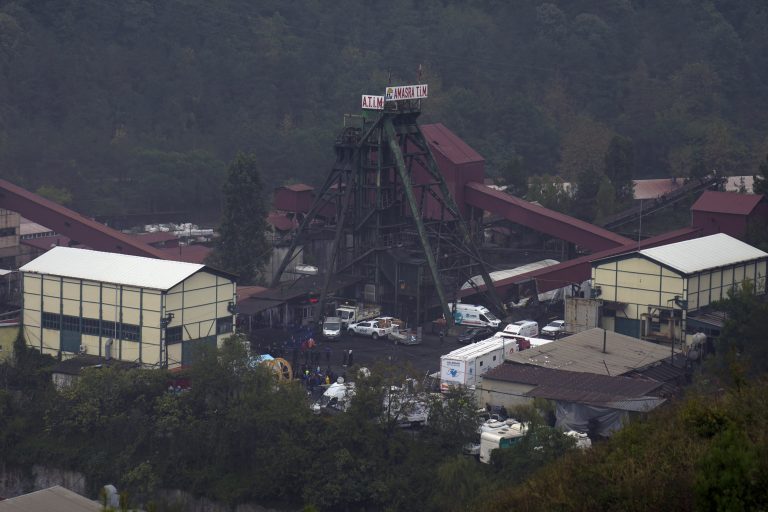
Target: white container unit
x,y
464,366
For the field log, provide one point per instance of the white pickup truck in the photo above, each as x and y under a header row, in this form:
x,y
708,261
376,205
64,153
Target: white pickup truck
x,y
368,328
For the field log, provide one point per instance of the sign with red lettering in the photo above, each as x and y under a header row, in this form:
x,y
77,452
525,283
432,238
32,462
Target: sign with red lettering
x,y
373,102
406,92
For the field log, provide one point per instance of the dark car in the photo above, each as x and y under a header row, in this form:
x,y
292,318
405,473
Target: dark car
x,y
475,334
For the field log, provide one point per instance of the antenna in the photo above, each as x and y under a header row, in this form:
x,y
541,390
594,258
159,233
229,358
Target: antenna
x,y
640,228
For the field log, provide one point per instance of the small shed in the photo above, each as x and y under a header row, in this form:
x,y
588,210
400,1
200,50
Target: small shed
x,y
728,212
296,198
583,400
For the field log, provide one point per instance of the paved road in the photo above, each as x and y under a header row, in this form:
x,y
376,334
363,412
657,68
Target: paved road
x,y
423,358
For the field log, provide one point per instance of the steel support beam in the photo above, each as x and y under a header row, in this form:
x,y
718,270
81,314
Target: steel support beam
x,y
410,196
463,230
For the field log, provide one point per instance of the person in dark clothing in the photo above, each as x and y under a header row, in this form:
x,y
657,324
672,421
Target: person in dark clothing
x,y
344,355
349,358
295,359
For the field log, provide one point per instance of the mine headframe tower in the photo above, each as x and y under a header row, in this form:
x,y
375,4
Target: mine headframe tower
x,y
386,198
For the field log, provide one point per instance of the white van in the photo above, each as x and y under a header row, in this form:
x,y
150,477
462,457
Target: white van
x,y
470,314
332,328
527,328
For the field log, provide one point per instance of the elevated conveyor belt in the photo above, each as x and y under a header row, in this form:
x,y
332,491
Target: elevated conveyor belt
x,y
579,270
71,224
542,219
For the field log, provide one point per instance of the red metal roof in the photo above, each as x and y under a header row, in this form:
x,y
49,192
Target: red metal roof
x,y
572,386
243,292
652,189
727,202
70,223
280,221
298,187
444,141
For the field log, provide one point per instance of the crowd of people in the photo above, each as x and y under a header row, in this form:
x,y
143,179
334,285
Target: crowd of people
x,y
301,348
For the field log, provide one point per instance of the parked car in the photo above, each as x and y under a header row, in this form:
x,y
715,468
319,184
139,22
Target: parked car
x,y
367,328
475,334
527,328
554,329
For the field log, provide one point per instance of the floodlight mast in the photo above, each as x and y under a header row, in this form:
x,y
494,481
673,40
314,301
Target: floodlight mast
x,y
372,197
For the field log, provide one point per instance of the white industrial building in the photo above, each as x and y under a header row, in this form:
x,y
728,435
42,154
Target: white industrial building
x,y
148,311
650,293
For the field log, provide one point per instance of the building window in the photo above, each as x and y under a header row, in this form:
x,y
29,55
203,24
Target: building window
x,y
7,231
130,332
224,325
70,323
108,329
51,321
91,326
174,335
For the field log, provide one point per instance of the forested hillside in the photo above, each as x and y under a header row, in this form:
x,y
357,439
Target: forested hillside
x,y
134,105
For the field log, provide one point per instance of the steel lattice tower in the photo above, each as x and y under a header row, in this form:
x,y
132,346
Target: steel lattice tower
x,y
388,193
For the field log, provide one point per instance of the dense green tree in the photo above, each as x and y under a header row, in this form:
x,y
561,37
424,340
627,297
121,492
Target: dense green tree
x,y
742,339
513,175
242,247
605,200
620,166
118,101
55,194
458,483
588,183
550,192
453,420
732,474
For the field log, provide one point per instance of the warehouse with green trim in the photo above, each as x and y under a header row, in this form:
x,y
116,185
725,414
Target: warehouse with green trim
x,y
149,311
650,293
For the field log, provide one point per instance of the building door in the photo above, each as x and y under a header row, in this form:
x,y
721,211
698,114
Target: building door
x,y
70,341
190,349
628,326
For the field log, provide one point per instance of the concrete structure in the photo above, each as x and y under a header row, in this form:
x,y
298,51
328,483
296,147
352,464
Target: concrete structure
x,y
149,311
728,212
649,293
